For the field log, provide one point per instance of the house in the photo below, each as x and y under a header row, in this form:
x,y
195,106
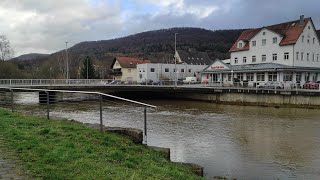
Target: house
x,y
125,68
192,57
168,72
286,52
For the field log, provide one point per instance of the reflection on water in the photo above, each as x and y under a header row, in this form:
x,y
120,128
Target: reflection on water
x,y
240,142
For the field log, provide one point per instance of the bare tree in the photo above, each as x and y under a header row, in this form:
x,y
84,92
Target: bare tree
x,y
6,52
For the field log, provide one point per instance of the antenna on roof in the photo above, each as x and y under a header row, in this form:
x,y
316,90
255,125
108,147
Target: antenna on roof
x,y
301,19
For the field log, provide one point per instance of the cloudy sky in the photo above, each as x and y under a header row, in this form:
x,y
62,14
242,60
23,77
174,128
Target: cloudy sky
x,y
44,26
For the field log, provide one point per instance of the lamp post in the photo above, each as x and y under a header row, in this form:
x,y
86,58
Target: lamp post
x,y
67,61
175,58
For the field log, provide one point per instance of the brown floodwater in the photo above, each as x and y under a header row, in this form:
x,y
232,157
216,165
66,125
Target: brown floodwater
x,y
243,142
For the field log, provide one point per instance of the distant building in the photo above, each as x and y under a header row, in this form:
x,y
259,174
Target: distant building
x,y
193,57
125,68
286,52
170,72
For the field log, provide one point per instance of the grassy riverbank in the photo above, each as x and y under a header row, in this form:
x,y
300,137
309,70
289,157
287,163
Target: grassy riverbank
x,y
63,150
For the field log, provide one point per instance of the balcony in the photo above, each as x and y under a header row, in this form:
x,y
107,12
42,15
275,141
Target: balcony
x,y
115,72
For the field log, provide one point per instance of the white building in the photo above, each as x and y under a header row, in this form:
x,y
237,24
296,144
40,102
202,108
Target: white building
x,y
156,72
286,52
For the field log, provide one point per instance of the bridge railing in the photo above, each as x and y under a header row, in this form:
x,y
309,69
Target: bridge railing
x,y
47,82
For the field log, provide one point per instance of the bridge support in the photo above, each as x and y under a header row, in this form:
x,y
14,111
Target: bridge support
x,y
44,96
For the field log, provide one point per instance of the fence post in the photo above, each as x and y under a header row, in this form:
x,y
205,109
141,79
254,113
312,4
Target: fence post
x,y
12,103
145,124
48,104
101,122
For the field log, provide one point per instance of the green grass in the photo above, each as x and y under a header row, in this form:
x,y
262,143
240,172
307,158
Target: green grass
x,y
65,150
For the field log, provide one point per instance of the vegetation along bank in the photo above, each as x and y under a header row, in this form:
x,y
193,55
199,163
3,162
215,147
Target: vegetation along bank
x,y
64,150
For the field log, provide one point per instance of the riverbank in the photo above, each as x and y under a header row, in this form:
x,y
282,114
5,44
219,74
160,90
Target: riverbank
x,y
65,150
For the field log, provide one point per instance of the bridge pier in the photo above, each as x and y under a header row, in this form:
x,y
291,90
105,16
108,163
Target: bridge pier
x,y
43,97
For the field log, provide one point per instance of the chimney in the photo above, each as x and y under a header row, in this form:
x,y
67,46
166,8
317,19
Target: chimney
x,y
301,19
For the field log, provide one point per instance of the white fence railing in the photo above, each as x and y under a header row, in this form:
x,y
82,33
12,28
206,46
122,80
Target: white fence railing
x,y
48,82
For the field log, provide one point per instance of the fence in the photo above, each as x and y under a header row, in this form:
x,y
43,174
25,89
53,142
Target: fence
x,y
48,99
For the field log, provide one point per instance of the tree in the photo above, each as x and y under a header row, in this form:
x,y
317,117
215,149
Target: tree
x,y
87,71
6,52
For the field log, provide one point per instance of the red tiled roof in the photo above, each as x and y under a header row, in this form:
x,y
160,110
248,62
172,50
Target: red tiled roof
x,y
290,31
128,62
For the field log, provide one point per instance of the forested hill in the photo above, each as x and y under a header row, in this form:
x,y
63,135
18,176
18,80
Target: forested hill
x,y
159,45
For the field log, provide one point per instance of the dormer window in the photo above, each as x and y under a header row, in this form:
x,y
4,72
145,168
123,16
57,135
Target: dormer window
x,y
240,45
275,40
254,43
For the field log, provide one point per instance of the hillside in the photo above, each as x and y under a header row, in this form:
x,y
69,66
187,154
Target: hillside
x,y
28,57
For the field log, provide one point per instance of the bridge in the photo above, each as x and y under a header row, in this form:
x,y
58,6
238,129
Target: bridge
x,y
202,92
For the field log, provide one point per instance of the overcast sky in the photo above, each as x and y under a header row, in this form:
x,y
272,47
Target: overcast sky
x,y
43,26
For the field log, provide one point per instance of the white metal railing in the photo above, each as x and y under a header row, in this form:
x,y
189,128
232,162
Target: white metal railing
x,y
50,82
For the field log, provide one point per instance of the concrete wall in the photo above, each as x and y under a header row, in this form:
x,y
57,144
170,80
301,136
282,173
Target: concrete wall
x,y
257,99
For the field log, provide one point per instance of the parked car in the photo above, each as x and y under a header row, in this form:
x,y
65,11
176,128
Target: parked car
x,y
115,82
148,82
158,82
190,80
311,85
270,85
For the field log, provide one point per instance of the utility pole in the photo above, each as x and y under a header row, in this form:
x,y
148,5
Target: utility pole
x,y
175,58
67,60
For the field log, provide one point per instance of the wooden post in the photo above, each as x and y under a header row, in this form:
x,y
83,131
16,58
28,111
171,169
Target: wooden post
x,y
48,104
101,122
145,124
12,103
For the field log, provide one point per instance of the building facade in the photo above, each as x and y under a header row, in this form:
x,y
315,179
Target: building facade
x,y
169,72
286,53
125,68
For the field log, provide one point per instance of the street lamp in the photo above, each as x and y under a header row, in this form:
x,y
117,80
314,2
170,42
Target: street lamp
x,y
175,58
67,60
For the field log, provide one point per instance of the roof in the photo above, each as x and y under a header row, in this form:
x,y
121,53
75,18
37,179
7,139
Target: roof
x,y
290,31
257,67
129,62
194,57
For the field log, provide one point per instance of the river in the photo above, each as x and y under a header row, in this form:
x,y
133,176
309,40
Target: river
x,y
242,142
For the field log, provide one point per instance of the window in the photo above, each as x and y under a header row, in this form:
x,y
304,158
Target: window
x,y
236,60
254,59
272,76
287,76
275,40
250,76
143,70
244,59
297,57
312,56
240,45
307,56
314,39
274,57
302,56
166,70
302,38
260,76
174,69
254,43
318,57
189,71
240,76
264,42
298,77
182,70
140,76
286,56
152,70
129,70
264,33
229,77
308,41
263,58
